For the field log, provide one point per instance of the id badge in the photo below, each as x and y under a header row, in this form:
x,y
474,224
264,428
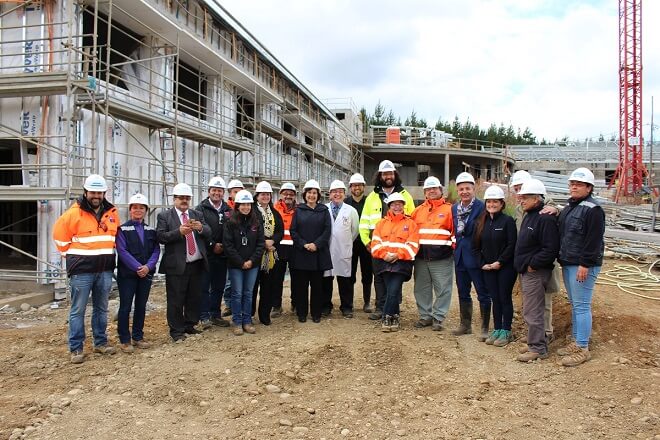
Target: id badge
x,y
244,241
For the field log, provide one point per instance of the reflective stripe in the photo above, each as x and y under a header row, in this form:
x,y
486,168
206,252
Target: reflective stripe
x,y
62,243
287,232
435,242
378,246
287,242
588,204
89,252
434,231
368,227
376,216
128,228
405,246
376,237
148,228
93,239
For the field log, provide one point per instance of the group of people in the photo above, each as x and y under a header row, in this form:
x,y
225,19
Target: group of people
x,y
241,248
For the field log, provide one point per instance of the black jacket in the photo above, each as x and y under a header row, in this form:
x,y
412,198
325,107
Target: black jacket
x,y
538,242
311,226
278,232
498,240
243,242
582,228
215,219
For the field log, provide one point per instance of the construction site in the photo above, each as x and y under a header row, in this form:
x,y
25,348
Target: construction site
x,y
151,93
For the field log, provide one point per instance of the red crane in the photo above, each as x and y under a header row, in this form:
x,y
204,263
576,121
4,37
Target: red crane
x,y
631,171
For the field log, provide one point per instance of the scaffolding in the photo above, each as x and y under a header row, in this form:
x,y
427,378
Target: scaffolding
x,y
148,93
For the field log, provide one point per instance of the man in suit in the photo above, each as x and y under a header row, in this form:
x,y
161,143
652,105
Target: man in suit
x,y
184,233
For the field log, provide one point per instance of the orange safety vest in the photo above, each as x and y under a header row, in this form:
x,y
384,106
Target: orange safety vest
x,y
435,223
287,216
396,233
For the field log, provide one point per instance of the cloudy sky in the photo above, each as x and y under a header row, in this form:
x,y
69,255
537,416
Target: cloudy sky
x,y
551,65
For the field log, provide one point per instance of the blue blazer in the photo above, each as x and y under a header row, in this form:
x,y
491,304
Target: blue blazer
x,y
465,257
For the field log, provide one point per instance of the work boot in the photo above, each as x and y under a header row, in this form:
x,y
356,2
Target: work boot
x,y
237,330
126,348
465,328
530,356
490,340
569,349
105,349
485,321
581,356
367,308
386,325
142,344
249,328
423,322
375,316
276,313
395,324
77,357
366,293
503,339
437,325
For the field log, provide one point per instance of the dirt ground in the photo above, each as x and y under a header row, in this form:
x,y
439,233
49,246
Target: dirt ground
x,y
338,379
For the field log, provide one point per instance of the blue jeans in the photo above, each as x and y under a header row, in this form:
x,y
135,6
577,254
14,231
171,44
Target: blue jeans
x,y
464,278
132,288
393,291
213,284
99,284
579,295
242,284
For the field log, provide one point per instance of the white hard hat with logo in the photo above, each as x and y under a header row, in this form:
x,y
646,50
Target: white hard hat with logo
x,y
532,186
465,177
337,184
312,184
519,177
243,196
263,187
235,183
288,186
582,175
385,166
182,189
357,178
139,199
494,192
395,197
217,182
95,182
432,182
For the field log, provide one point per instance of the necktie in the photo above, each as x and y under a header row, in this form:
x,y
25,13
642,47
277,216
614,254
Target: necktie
x,y
335,211
190,238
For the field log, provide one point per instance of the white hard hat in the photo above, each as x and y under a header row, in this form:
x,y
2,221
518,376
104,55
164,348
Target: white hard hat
x,y
582,175
519,177
337,184
243,196
310,184
95,182
432,182
263,187
357,178
217,182
182,189
139,199
235,183
464,177
386,165
494,192
395,197
532,186
288,185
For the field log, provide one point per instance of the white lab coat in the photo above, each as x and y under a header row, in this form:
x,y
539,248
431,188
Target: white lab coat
x,y
345,229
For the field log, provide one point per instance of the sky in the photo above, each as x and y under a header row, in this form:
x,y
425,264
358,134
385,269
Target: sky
x,y
550,65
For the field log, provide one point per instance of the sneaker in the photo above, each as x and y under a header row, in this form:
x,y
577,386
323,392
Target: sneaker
x,y
205,325
577,358
395,324
530,356
219,322
105,349
237,330
276,313
142,344
492,337
126,348
226,312
568,350
386,325
77,357
367,308
249,328
376,315
503,338
437,325
423,322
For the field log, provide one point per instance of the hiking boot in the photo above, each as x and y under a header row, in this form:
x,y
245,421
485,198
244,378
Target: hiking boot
x,y
503,338
523,349
105,349
237,330
395,324
226,312
530,356
485,321
465,328
490,340
579,357
205,325
423,322
376,315
276,313
249,328
568,350
437,325
126,348
386,326
219,322
142,344
77,357
367,308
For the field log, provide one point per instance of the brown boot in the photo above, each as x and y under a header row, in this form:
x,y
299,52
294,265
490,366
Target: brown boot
x,y
569,349
531,356
485,321
249,328
577,358
237,330
465,328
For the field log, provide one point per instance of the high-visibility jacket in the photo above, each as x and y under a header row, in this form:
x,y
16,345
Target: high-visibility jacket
x,y
286,244
436,229
375,209
396,233
87,241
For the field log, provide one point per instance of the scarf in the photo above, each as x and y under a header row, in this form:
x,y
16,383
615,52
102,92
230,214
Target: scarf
x,y
270,256
463,213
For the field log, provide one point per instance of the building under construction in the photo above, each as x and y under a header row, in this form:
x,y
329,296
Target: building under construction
x,y
147,93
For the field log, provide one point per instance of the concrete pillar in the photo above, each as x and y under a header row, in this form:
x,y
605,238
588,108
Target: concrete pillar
x,y
446,182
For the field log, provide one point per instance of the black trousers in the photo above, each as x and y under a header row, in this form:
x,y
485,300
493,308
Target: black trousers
x,y
363,256
306,280
279,271
264,289
381,291
183,298
345,293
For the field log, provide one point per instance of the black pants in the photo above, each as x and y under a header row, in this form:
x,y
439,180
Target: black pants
x,y
500,286
361,254
306,300
279,271
381,291
264,288
345,293
183,298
